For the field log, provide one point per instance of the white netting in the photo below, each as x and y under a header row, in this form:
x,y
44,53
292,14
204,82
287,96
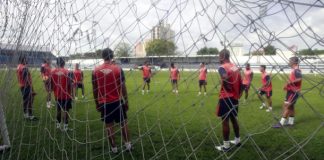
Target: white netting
x,y
162,125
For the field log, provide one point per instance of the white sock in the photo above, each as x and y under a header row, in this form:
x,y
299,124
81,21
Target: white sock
x,y
237,140
176,91
199,92
283,121
263,104
147,91
226,144
270,107
291,120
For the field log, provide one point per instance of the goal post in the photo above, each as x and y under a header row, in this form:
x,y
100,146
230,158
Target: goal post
x,y
4,130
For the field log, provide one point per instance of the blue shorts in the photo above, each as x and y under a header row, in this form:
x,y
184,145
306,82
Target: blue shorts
x,y
64,105
147,80
291,97
113,112
202,82
227,107
245,87
174,81
268,94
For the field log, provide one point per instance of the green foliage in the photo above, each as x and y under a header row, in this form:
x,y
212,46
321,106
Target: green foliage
x,y
123,50
269,50
86,55
208,51
311,52
159,47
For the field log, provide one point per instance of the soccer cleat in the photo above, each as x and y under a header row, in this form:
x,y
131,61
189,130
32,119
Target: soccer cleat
x,y
128,146
199,93
58,125
147,91
222,148
278,125
26,115
262,107
75,98
236,143
173,91
143,92
32,118
269,109
205,94
66,128
48,104
114,150
83,97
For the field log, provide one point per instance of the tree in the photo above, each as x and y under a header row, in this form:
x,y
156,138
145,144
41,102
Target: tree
x,y
269,50
310,51
160,47
123,50
208,51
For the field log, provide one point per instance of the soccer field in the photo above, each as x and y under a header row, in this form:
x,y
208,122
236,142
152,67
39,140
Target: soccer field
x,y
166,126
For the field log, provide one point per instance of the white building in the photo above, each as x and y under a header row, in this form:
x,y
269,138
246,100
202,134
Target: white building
x,y
163,31
236,49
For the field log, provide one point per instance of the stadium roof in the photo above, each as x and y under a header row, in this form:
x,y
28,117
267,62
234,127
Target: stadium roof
x,y
24,47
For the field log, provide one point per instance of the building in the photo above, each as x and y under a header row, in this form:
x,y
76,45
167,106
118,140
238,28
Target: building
x,y
236,49
160,31
163,31
35,55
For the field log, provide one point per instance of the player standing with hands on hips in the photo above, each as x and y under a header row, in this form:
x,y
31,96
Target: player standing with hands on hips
x,y
110,94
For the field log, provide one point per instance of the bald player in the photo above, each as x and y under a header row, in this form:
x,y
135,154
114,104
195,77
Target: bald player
x,y
229,95
292,87
110,94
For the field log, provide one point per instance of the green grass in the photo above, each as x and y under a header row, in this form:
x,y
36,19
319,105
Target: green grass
x,y
164,126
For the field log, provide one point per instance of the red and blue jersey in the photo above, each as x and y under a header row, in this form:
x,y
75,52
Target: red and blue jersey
x,y
231,81
23,75
248,73
108,80
77,76
45,70
203,73
174,73
61,82
266,82
294,74
146,70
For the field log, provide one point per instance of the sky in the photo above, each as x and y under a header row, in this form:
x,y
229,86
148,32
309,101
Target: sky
x,y
78,26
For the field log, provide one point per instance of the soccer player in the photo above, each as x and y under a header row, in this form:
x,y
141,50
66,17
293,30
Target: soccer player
x,y
78,81
174,77
247,79
266,88
26,88
46,75
202,78
229,95
293,88
61,82
110,94
147,73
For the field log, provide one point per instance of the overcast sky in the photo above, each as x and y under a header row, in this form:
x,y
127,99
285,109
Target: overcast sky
x,y
74,26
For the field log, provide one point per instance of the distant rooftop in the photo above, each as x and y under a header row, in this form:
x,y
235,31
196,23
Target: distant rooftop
x,y
24,47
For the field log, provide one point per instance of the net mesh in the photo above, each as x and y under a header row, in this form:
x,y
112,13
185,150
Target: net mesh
x,y
162,125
